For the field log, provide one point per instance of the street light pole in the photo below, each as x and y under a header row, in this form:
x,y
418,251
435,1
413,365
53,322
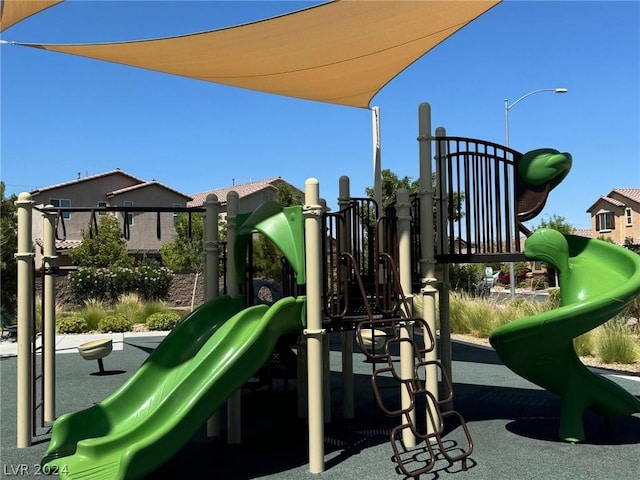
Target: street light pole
x,y
507,107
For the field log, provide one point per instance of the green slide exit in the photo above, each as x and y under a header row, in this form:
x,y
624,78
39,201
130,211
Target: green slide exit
x,y
597,280
207,357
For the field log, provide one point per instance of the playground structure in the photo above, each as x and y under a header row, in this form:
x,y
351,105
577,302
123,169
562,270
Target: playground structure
x,y
354,272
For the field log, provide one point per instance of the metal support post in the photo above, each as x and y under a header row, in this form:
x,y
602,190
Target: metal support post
x,y
427,254
234,404
24,259
348,410
407,361
314,332
49,315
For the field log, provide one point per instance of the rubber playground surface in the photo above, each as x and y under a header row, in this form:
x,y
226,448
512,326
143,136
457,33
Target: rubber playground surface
x,y
513,423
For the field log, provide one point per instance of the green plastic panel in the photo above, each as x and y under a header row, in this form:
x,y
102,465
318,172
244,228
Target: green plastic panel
x,y
544,165
284,226
597,280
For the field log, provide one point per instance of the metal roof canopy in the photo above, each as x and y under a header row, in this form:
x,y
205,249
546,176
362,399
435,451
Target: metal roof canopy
x,y
342,52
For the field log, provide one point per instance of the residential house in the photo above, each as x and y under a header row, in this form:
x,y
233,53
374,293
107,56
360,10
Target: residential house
x,y
616,216
112,188
117,188
250,194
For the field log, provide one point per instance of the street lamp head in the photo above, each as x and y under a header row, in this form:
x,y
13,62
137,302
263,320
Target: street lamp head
x,y
561,90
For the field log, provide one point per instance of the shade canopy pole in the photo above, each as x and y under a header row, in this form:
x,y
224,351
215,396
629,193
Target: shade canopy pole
x,y
377,160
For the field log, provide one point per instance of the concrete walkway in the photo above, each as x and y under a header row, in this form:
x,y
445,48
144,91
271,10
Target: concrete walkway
x,y
68,343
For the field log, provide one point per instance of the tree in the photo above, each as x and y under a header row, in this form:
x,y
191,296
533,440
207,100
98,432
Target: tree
x,y
556,222
105,249
631,245
266,256
287,197
559,223
390,184
184,254
8,247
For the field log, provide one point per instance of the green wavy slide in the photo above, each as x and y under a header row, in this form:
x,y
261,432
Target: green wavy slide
x,y
207,357
597,280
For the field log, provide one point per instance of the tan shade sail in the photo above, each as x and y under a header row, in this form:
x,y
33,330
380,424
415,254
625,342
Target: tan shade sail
x,y
341,52
13,11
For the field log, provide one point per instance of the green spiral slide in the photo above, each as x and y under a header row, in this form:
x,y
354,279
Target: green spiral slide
x,y
597,280
207,357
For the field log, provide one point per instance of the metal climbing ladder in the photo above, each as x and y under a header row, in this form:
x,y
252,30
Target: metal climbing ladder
x,y
362,291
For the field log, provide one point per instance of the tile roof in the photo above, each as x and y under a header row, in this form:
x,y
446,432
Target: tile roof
x,y
584,232
60,244
144,185
613,201
84,179
242,189
631,193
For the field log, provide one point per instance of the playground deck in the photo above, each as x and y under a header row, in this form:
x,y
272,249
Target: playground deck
x,y
514,425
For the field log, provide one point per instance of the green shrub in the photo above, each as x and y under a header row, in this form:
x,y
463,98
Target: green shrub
x,y
71,324
464,276
115,323
93,311
553,300
89,283
418,305
457,303
537,284
585,344
122,280
151,307
108,284
481,317
154,282
163,320
521,308
131,306
478,317
616,345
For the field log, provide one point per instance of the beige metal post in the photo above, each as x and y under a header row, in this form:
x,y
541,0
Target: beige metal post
x,y
50,260
24,258
234,406
446,357
211,248
407,362
348,411
314,331
301,377
427,254
211,286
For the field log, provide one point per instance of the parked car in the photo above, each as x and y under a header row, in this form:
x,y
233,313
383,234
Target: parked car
x,y
505,279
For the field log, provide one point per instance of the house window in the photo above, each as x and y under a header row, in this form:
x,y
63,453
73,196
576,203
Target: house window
x,y
605,221
128,203
61,203
175,214
102,205
627,216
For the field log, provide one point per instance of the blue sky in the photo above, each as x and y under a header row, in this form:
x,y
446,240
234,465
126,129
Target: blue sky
x,y
63,114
